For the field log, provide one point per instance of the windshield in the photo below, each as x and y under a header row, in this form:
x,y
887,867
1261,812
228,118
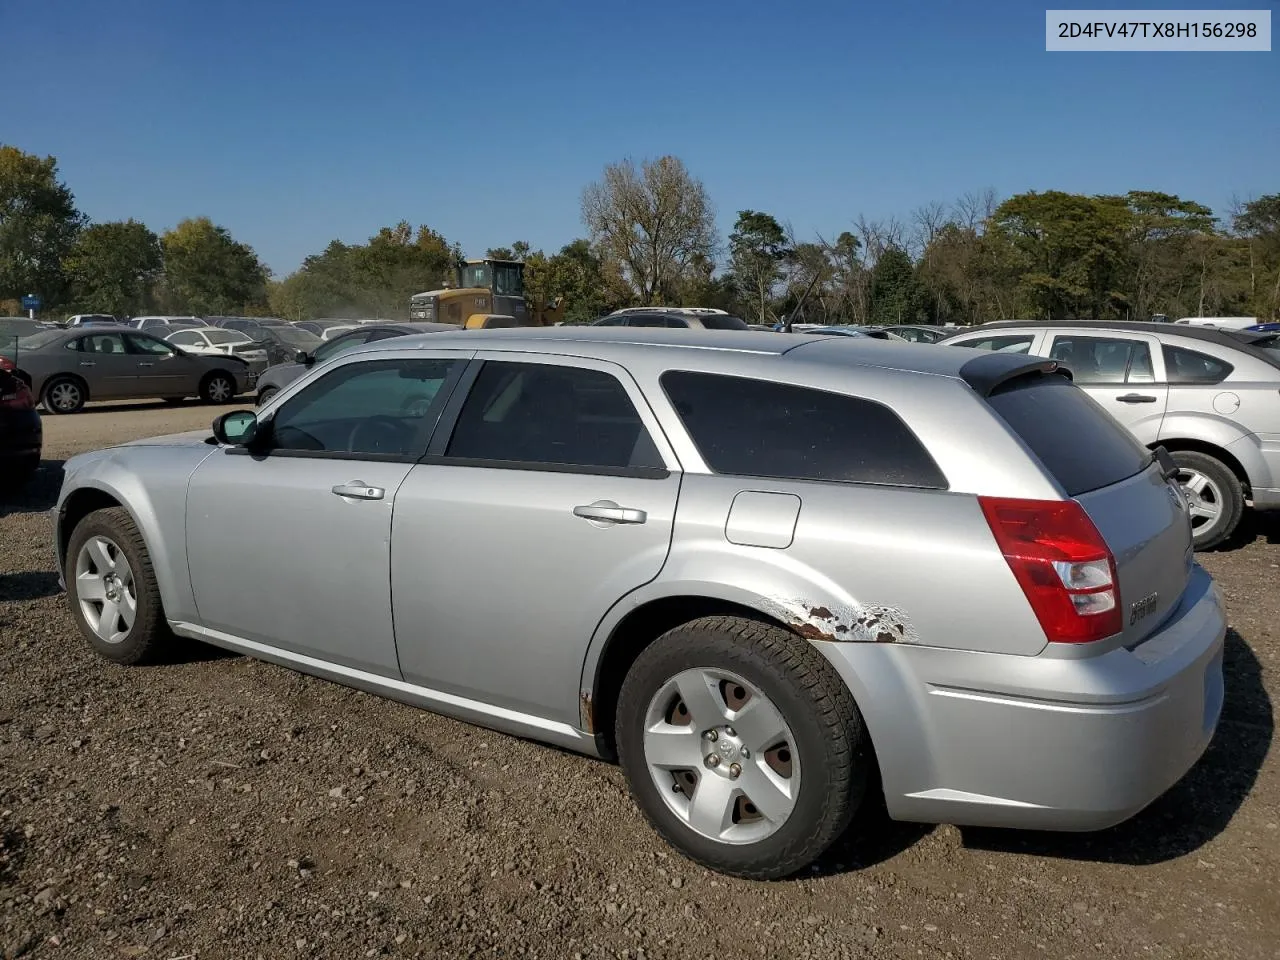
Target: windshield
x,y
218,335
339,345
506,280
475,275
302,339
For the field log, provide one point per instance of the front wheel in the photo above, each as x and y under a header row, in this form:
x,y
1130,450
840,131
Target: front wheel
x,y
742,746
64,395
112,588
265,395
1214,497
218,388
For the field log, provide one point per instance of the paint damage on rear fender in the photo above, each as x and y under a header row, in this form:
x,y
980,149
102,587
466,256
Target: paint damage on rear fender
x,y
863,623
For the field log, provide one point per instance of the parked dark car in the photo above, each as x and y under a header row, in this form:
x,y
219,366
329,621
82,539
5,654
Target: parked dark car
x,y
247,324
323,324
282,342
280,376
21,433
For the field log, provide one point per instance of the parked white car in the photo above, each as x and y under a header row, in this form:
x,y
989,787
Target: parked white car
x,y
215,340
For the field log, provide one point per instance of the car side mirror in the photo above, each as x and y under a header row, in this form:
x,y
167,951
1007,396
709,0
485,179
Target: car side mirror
x,y
237,428
303,358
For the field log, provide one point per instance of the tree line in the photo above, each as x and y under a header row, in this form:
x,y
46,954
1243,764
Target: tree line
x,y
651,239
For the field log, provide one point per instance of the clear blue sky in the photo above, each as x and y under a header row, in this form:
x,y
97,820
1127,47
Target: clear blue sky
x,y
292,123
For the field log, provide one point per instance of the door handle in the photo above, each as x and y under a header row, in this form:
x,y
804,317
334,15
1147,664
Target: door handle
x,y
87,363
146,364
359,490
1136,398
609,512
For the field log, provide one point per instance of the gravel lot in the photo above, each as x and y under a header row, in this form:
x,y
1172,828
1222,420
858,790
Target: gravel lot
x,y
221,807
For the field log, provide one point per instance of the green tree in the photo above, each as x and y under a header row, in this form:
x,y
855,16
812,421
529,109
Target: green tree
x,y
206,271
38,225
1258,222
650,224
895,293
1068,251
114,267
758,247
1164,251
367,280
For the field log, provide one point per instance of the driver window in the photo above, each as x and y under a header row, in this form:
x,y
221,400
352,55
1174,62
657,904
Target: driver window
x,y
148,345
374,409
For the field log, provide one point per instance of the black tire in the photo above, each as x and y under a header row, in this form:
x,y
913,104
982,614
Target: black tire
x,y
827,729
265,395
218,387
149,632
71,395
1222,490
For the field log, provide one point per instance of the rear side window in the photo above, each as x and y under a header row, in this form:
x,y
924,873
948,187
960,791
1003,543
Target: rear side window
x,y
1104,359
649,320
715,321
759,428
542,415
1075,439
1190,366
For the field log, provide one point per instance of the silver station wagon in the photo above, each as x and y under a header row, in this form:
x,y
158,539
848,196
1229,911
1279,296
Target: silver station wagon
x,y
766,574
1209,397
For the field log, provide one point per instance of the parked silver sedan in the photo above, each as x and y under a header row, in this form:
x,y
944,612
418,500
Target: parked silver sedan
x,y
768,574
68,368
1210,397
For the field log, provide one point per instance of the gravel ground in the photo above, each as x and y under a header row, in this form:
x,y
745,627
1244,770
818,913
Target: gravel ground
x,y
221,807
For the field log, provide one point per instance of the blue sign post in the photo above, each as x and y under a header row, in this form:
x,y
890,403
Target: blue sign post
x,y
31,303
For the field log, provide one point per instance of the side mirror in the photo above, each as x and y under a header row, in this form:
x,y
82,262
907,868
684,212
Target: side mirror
x,y
236,428
303,358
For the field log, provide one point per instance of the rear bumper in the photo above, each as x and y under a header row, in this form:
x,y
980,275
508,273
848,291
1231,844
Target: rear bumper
x,y
1048,742
21,437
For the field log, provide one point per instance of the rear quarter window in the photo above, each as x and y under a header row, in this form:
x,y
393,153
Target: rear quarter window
x,y
1190,366
1077,441
761,428
715,321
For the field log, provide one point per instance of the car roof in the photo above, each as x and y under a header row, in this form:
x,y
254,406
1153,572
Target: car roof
x,y
1243,340
621,343
1210,334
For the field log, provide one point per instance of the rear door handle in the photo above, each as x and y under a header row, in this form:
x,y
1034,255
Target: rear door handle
x,y
609,512
87,363
359,490
1136,398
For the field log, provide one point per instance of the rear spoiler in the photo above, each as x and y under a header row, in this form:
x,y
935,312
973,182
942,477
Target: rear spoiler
x,y
989,372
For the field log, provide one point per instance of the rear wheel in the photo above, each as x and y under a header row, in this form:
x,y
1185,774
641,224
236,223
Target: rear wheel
x,y
1214,496
64,395
218,388
742,746
112,588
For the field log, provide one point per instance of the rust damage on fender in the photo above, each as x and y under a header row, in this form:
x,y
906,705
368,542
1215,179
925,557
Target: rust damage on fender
x,y
586,711
864,623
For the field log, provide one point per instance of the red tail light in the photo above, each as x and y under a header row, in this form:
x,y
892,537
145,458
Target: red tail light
x,y
7,365
1062,564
